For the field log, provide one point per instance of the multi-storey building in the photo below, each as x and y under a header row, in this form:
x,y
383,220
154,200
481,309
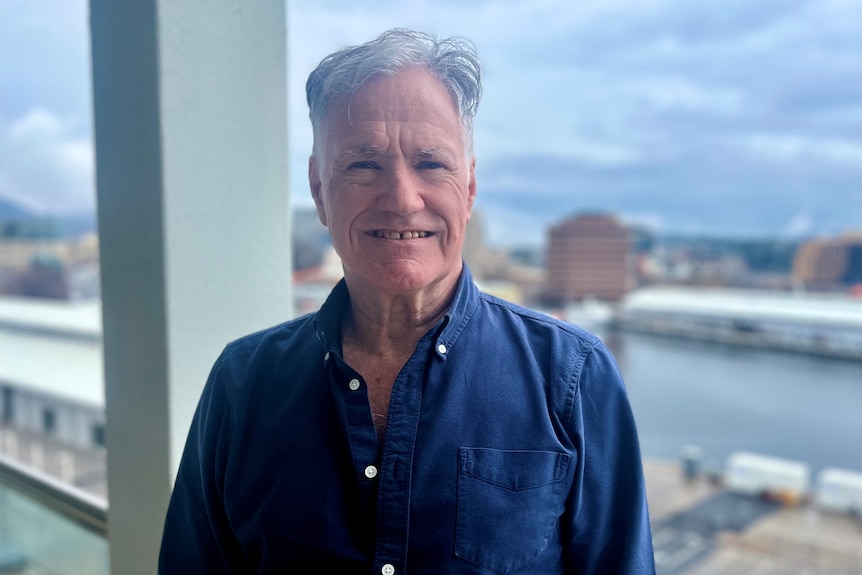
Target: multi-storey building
x,y
829,263
588,257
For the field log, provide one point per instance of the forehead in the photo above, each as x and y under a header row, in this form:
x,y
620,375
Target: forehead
x,y
412,101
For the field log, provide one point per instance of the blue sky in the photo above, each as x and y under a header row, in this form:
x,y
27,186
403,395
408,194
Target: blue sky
x,y
717,116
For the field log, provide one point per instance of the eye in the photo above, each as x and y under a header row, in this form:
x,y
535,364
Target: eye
x,y
363,165
429,165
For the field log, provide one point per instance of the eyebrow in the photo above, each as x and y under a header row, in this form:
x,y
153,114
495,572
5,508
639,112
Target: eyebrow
x,y
430,153
362,151
367,151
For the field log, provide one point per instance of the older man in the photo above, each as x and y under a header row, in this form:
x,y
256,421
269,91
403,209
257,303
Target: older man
x,y
413,424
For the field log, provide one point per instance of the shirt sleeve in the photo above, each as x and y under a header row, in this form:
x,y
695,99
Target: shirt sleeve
x,y
607,516
197,537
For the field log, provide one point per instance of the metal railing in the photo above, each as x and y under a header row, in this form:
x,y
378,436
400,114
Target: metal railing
x,y
75,504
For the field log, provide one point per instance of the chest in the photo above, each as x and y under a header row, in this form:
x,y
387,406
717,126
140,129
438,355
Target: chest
x,y
379,375
460,434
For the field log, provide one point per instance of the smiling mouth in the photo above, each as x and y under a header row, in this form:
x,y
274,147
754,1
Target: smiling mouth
x,y
392,235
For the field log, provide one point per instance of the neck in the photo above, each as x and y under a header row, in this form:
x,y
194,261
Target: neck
x,y
391,326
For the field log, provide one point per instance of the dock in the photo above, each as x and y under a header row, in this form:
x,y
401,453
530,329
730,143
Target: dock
x,y
699,528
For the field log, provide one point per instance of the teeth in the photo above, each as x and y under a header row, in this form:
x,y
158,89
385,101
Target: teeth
x,y
401,235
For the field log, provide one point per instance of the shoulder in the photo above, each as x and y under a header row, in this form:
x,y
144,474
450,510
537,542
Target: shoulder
x,y
275,339
541,336
579,358
539,321
255,356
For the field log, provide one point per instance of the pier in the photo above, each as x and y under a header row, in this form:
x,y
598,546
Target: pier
x,y
828,325
700,528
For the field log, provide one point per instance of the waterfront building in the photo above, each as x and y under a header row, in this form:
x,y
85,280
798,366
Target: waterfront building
x,y
588,257
832,263
822,324
51,373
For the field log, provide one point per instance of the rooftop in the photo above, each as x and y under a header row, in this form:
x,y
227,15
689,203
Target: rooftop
x,y
828,310
73,319
53,347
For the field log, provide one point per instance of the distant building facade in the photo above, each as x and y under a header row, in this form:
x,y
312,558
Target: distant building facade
x,y
833,263
309,238
51,374
49,267
485,262
588,257
17,255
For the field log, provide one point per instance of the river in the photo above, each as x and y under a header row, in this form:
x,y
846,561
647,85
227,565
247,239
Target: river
x,y
725,398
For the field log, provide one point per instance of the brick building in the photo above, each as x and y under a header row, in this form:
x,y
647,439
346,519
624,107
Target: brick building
x,y
832,263
588,256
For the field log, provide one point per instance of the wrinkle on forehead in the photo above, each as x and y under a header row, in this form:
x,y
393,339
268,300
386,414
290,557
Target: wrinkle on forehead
x,y
406,97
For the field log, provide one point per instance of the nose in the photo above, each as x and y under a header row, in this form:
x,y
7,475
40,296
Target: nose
x,y
402,193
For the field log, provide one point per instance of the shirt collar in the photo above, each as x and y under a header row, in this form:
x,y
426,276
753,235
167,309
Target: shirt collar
x,y
327,322
455,320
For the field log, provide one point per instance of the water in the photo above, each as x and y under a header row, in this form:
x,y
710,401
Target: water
x,y
50,542
724,398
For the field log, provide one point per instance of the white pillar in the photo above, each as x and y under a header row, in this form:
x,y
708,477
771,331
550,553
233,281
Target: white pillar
x,y
191,147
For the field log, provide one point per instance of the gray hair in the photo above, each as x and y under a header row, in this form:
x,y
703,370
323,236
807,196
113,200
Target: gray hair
x,y
453,61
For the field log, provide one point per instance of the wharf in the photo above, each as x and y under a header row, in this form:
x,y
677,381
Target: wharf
x,y
701,529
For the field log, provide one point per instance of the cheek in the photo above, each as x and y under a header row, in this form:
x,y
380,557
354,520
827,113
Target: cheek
x,y
343,213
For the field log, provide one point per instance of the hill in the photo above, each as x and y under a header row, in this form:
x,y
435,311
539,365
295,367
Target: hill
x,y
12,211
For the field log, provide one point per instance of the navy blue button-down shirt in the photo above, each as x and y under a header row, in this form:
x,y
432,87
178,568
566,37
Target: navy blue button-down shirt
x,y
510,447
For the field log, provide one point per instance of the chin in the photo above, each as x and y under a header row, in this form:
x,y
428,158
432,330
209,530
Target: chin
x,y
402,283
402,279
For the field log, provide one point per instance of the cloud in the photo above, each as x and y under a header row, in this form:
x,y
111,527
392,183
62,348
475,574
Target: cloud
x,y
46,165
719,115
799,225
790,148
45,47
649,221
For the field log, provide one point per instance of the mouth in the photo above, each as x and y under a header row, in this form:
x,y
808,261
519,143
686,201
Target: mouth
x,y
406,235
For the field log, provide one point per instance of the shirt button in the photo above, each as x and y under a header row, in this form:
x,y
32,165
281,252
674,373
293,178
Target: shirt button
x,y
371,473
441,348
326,357
388,569
353,385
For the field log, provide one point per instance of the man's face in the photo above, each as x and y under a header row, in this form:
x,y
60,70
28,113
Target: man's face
x,y
392,182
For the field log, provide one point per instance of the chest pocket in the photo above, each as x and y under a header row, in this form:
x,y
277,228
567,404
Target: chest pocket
x,y
508,504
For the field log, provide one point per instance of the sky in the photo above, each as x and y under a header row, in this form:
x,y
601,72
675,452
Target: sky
x,y
714,117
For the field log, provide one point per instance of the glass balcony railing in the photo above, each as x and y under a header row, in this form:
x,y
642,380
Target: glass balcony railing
x,y
48,527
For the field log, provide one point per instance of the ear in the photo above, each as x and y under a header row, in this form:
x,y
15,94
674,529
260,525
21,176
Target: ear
x,y
471,188
314,183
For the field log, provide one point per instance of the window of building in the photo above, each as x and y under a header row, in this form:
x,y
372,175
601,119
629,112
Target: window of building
x,y
98,435
8,404
49,420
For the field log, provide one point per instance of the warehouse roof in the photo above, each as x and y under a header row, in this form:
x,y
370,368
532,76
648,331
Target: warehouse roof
x,y
82,319
53,347
831,310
